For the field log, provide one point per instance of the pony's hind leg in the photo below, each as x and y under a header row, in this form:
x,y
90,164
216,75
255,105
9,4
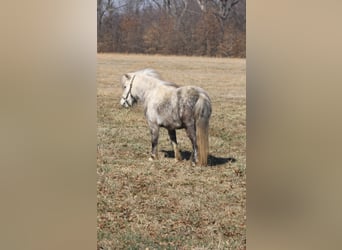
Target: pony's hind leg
x,y
173,138
191,132
154,141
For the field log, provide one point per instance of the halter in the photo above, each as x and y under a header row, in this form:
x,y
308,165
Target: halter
x,y
129,92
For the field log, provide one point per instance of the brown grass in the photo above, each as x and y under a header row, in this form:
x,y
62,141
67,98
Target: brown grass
x,y
163,204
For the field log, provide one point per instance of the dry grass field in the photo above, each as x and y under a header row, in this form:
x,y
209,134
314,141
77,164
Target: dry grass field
x,y
164,204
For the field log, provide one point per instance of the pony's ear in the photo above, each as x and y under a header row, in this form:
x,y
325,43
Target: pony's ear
x,y
127,76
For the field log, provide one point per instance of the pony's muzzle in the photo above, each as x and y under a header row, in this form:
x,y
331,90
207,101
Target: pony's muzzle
x,y
128,102
124,103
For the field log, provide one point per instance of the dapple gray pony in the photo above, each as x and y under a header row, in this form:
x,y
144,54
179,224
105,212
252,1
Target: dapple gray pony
x,y
172,107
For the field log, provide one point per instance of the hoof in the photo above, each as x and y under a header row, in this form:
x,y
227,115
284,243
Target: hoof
x,y
153,157
178,157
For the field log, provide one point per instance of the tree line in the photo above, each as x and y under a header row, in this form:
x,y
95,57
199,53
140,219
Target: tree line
x,y
180,27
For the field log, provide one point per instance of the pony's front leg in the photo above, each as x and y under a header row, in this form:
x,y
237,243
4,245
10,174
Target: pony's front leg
x,y
173,138
154,141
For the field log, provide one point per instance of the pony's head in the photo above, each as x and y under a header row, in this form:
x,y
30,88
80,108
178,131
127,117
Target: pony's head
x,y
135,84
127,99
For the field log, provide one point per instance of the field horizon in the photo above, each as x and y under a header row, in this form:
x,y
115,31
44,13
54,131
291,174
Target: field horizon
x,y
164,204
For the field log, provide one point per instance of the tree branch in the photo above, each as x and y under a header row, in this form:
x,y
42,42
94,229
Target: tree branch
x,y
234,3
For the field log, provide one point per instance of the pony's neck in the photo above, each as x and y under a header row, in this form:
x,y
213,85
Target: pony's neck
x,y
144,84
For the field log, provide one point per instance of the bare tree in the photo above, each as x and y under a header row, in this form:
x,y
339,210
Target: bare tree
x,y
221,8
103,6
190,27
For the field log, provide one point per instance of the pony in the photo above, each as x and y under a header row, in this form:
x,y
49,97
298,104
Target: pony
x,y
172,107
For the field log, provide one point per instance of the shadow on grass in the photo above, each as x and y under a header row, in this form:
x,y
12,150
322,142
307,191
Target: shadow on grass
x,y
212,160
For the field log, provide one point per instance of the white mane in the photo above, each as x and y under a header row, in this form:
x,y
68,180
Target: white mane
x,y
153,73
149,72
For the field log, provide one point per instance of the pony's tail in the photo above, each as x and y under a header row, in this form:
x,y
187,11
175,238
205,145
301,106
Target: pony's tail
x,y
202,112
